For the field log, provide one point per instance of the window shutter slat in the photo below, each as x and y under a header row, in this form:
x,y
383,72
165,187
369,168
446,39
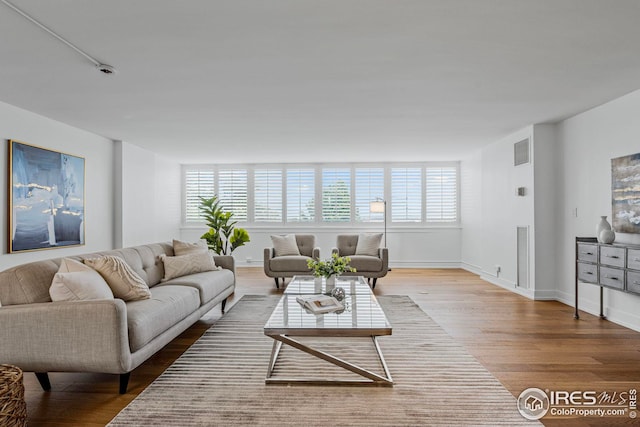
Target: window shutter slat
x,y
232,192
369,186
198,183
268,195
406,194
301,195
336,194
442,194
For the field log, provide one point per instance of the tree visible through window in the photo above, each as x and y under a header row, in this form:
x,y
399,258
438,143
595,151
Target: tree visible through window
x,y
336,195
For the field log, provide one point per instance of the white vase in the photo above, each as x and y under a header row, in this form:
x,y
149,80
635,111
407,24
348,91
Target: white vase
x,y
331,282
607,236
602,225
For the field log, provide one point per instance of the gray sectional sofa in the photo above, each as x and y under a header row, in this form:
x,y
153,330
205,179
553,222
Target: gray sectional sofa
x,y
106,336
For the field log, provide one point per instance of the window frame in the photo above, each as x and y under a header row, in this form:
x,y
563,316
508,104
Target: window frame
x,y
318,185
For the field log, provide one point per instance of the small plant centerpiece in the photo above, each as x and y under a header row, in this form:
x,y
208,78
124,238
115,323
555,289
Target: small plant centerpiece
x,y
223,237
330,268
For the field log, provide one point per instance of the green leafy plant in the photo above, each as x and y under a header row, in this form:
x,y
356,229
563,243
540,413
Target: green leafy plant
x,y
223,237
334,265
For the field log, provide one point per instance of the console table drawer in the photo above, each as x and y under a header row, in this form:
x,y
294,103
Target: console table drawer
x,y
633,259
612,277
587,273
633,282
610,255
587,252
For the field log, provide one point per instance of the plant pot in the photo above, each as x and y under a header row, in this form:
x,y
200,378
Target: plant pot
x,y
331,282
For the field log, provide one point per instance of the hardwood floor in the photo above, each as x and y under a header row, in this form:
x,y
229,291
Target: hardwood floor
x,y
521,342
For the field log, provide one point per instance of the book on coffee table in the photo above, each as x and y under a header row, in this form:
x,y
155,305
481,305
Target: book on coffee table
x,y
319,304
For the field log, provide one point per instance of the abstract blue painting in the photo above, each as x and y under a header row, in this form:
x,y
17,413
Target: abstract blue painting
x,y
46,208
625,191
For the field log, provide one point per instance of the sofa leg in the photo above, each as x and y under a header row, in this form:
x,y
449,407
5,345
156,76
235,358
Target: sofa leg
x,y
277,283
124,382
375,279
224,303
43,379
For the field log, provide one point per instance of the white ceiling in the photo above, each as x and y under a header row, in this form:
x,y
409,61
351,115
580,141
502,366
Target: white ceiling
x,y
324,80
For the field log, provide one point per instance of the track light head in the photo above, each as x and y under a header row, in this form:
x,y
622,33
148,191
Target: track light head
x,y
106,69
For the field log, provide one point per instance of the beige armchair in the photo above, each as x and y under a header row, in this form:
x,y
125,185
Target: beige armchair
x,y
288,258
372,262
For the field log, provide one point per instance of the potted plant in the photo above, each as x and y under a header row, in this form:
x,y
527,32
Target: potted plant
x,y
223,237
330,268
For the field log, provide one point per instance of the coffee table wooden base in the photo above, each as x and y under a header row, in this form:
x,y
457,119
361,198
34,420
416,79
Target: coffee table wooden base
x,y
369,378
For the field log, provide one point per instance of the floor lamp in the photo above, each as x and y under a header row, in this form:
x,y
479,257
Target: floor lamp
x,y
380,206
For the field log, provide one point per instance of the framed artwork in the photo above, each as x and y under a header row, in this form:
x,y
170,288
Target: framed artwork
x,y
46,198
625,193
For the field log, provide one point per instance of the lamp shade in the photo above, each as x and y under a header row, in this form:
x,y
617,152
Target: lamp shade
x,y
377,206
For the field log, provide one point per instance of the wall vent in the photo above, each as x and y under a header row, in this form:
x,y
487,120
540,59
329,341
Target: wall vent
x,y
523,257
521,152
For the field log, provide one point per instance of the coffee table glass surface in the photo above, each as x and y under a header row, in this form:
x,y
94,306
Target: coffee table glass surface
x,y
308,285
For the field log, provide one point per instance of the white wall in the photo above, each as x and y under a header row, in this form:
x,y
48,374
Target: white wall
x,y
587,143
149,185
408,247
99,192
492,211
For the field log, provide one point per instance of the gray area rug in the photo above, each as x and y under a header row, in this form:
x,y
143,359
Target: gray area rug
x,y
219,381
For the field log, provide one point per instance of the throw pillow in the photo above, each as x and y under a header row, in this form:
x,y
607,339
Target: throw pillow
x,y
368,244
177,266
125,283
285,245
184,248
75,281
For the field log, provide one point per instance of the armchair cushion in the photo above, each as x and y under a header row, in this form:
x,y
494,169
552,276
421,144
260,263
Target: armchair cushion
x,y
366,263
289,263
285,245
368,244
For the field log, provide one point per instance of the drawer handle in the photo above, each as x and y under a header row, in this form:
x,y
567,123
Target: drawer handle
x,y
612,256
591,253
589,273
612,277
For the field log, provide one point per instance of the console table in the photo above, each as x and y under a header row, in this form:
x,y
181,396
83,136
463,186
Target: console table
x,y
613,266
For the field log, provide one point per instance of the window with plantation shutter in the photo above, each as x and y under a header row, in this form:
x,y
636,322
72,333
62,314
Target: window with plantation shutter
x,y
369,186
406,194
267,187
441,195
336,194
416,194
301,194
232,192
198,183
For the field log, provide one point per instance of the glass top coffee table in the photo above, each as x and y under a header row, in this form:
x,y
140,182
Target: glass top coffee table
x,y
362,317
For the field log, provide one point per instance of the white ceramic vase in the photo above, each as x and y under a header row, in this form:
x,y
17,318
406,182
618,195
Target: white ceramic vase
x,y
602,226
331,282
607,236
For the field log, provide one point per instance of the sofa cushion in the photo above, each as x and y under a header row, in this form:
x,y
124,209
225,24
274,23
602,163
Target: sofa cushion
x,y
368,244
285,245
364,263
125,283
185,248
289,263
194,262
209,284
168,305
75,281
